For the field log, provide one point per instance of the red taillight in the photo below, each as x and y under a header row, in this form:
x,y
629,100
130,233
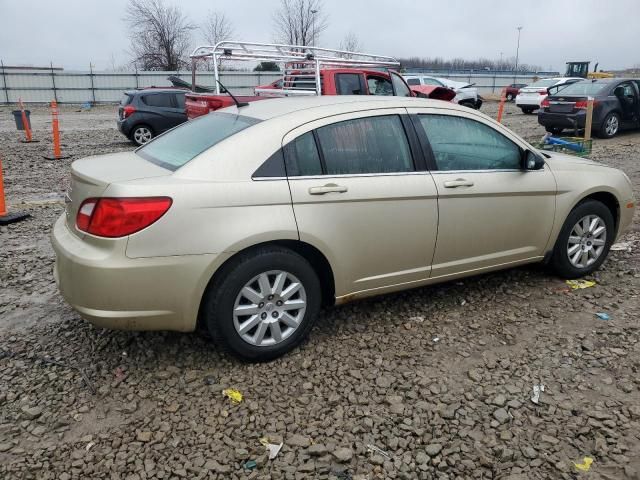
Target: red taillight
x,y
543,92
583,104
545,103
118,217
128,110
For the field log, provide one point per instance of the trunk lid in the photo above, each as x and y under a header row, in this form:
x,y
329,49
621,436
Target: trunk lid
x,y
564,104
91,176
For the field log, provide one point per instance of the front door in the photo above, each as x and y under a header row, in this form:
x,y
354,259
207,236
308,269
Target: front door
x,y
491,211
362,196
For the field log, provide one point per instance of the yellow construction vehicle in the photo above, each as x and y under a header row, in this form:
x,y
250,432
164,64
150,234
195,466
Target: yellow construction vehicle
x,y
581,69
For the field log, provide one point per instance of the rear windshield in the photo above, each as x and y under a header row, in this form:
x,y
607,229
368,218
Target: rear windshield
x,y
181,145
548,82
125,100
584,88
413,81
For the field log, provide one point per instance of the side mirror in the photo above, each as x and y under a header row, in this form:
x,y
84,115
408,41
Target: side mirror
x,y
532,161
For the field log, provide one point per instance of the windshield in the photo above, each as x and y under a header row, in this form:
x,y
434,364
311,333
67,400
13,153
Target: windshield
x,y
182,144
584,88
543,83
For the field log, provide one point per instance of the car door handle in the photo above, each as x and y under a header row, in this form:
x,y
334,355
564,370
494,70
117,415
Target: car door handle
x,y
328,188
459,182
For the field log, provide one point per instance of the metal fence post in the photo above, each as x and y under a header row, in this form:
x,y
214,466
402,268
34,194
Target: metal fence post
x,y
136,75
4,83
493,87
93,89
53,81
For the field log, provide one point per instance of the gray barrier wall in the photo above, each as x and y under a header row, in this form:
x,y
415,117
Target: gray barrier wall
x,y
105,87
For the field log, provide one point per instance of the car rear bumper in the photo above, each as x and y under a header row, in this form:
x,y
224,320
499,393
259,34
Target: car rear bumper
x,y
113,291
124,127
566,120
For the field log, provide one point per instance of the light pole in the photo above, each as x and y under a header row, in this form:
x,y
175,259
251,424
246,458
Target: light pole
x,y
518,50
313,27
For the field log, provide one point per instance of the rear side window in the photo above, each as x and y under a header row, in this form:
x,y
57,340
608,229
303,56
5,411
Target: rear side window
x,y
365,145
158,100
463,144
348,84
182,144
305,154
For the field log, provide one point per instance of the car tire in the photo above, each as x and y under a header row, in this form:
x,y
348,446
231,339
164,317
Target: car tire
x,y
568,259
269,333
610,126
141,134
478,104
554,130
527,111
510,97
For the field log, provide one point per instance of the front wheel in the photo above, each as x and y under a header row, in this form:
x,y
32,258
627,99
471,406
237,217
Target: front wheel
x,y
584,241
263,304
510,97
527,110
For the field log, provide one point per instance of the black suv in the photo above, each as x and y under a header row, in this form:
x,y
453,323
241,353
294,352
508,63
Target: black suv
x,y
616,106
143,114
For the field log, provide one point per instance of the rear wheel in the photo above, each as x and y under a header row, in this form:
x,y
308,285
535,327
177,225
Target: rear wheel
x,y
584,241
141,134
527,110
263,304
510,97
610,126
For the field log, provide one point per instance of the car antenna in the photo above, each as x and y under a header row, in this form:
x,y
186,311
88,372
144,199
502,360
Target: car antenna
x,y
237,102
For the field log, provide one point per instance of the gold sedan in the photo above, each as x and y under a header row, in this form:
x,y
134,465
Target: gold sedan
x,y
246,221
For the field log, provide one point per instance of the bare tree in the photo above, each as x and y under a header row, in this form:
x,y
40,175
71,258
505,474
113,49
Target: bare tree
x,y
217,27
160,34
350,43
299,22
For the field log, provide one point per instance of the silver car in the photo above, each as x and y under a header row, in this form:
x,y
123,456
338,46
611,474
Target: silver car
x,y
245,221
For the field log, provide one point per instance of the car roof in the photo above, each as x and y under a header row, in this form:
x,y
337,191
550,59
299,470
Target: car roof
x,y
155,90
277,107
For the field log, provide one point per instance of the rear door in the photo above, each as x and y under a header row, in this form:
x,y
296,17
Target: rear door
x,y
163,111
491,212
362,196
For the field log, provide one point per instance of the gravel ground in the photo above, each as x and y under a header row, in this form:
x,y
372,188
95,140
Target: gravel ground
x,y
438,378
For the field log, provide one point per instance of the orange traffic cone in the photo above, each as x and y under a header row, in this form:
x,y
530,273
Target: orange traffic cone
x,y
503,99
5,217
55,130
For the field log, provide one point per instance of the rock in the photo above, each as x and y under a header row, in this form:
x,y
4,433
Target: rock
x,y
499,400
501,415
5,446
384,381
144,436
296,440
475,375
31,413
422,458
377,459
529,452
343,454
317,450
433,449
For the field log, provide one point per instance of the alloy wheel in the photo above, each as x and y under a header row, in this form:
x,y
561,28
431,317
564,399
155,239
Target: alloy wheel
x,y
612,125
269,308
142,135
586,241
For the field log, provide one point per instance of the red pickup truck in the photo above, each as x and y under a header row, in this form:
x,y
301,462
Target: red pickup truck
x,y
333,81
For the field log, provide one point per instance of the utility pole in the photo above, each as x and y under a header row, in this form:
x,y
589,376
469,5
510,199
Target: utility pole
x,y
313,27
518,50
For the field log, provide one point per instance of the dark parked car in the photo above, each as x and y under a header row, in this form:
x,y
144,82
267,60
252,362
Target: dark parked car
x,y
143,114
616,106
513,90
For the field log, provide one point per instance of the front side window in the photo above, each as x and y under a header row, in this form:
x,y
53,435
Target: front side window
x,y
348,84
365,145
463,144
379,86
399,85
182,144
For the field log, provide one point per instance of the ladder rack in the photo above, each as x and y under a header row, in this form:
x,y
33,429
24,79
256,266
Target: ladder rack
x,y
301,64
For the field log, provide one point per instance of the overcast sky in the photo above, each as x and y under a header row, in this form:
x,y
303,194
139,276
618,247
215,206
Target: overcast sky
x,y
72,33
